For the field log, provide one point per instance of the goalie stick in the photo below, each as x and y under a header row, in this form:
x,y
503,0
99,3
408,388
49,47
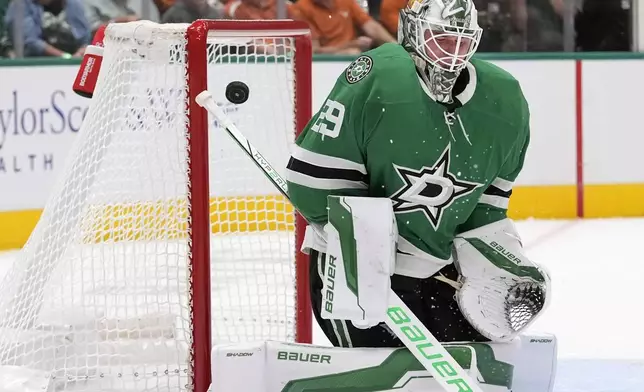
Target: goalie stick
x,y
400,319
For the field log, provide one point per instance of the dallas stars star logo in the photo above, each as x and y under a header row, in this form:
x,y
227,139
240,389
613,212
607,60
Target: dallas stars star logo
x,y
358,69
430,190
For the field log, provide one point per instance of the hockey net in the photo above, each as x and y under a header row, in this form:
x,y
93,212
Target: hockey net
x,y
161,237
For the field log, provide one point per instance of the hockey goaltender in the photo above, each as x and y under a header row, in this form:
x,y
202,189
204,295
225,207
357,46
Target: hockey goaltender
x,y
405,176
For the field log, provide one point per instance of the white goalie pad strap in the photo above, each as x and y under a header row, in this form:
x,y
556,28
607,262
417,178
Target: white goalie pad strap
x,y
313,240
502,292
360,259
410,261
527,364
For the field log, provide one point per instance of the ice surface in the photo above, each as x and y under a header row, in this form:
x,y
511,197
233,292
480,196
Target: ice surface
x,y
596,310
596,267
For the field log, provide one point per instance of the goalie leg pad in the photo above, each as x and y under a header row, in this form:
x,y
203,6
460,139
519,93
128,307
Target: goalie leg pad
x,y
524,365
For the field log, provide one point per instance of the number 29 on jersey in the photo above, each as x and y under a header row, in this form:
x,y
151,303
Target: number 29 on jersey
x,y
330,119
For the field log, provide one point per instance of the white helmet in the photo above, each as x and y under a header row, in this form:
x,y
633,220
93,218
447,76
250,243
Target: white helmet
x,y
444,33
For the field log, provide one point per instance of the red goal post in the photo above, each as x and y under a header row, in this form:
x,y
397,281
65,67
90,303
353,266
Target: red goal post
x,y
197,40
161,238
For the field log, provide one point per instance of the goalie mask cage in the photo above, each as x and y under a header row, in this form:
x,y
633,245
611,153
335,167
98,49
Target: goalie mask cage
x,y
161,237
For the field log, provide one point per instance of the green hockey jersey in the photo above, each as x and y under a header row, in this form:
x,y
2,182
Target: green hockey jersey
x,y
380,134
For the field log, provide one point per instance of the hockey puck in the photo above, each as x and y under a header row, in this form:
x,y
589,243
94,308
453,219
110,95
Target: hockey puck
x,y
237,92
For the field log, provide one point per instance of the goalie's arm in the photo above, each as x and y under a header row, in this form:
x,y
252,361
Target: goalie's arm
x,y
493,203
492,263
328,156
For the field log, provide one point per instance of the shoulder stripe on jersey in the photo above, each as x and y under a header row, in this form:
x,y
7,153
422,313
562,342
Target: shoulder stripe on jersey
x,y
497,194
502,184
494,191
322,160
311,170
495,201
322,183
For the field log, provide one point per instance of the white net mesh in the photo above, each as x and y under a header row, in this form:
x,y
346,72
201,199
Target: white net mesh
x,y
100,297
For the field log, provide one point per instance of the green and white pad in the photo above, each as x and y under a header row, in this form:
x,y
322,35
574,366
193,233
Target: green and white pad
x,y
361,237
526,364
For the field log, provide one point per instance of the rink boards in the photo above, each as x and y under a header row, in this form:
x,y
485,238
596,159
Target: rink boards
x,y
584,149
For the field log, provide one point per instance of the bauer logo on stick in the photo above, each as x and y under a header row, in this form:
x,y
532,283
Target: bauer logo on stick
x,y
359,69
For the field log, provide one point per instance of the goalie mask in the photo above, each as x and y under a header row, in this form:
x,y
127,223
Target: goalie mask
x,y
442,36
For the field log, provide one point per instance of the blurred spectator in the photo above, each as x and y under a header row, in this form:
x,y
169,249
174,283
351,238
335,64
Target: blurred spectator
x,y
187,11
389,10
544,31
4,4
255,9
604,25
163,5
504,24
521,25
5,45
508,25
101,12
51,27
259,9
335,23
372,7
